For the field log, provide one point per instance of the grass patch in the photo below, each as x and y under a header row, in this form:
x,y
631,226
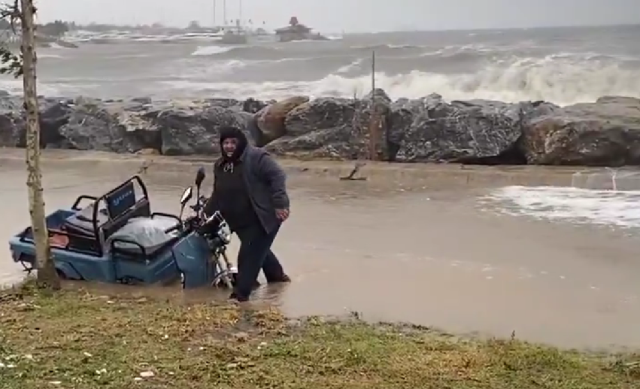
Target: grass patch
x,y
75,339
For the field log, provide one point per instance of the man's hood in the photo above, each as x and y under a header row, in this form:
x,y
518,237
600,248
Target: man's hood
x,y
233,132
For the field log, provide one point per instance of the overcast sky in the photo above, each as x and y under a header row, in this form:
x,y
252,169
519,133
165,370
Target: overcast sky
x,y
353,15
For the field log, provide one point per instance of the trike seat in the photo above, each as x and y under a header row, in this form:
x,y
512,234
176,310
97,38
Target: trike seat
x,y
109,213
82,223
144,237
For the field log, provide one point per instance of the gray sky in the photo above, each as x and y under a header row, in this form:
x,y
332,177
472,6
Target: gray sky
x,y
353,15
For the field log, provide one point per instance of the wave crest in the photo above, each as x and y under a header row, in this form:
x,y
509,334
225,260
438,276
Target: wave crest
x,y
554,79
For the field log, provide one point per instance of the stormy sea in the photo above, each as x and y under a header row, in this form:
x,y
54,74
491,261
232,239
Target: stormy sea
x,y
560,65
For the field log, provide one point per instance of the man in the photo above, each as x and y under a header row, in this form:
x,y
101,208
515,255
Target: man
x,y
250,191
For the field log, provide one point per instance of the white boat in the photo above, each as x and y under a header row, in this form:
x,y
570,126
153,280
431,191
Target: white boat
x,y
234,35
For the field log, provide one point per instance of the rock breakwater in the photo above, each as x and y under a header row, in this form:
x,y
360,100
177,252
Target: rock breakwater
x,y
430,129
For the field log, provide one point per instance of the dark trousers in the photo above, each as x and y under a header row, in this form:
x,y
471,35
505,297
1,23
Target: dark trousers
x,y
255,254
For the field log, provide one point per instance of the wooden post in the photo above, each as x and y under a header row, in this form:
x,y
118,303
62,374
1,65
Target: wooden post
x,y
373,72
374,120
47,276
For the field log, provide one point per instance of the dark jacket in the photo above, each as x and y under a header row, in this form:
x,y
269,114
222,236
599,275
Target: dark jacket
x,y
266,185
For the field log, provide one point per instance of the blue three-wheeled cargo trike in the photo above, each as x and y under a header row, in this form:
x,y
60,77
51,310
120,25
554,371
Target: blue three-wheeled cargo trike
x,y
116,238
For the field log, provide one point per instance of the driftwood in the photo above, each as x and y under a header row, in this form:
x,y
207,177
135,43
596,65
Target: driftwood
x,y
146,164
352,176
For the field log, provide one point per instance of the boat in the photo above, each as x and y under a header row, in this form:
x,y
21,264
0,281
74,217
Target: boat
x,y
296,31
231,34
234,35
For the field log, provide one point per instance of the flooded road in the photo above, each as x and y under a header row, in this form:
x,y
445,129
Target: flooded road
x,y
411,244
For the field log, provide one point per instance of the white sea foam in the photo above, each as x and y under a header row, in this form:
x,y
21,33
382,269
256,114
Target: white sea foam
x,y
211,50
573,205
553,78
14,87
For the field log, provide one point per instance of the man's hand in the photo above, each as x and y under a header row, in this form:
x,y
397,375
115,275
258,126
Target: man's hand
x,y
282,214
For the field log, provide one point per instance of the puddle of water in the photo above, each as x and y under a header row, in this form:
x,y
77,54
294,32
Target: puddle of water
x,y
424,256
585,206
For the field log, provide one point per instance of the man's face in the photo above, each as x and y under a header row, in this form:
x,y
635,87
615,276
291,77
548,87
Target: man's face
x,y
229,146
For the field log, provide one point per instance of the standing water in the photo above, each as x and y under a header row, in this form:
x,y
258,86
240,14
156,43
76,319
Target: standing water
x,y
421,249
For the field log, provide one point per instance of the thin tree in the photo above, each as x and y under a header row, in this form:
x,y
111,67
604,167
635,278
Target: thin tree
x,y
22,12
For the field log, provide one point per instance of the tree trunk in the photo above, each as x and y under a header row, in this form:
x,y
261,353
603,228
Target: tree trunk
x,y
47,276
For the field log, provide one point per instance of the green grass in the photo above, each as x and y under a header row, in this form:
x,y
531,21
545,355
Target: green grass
x,y
76,339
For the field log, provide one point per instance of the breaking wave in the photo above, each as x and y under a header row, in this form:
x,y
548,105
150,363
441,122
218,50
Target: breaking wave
x,y
552,78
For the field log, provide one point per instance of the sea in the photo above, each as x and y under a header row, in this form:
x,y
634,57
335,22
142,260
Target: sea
x,y
562,65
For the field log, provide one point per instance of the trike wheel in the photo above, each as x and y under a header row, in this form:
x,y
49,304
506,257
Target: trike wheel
x,y
224,280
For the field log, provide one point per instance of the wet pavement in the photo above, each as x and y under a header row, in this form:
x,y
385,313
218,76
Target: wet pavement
x,y
410,245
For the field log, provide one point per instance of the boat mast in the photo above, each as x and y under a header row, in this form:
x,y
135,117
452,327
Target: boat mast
x,y
224,12
240,13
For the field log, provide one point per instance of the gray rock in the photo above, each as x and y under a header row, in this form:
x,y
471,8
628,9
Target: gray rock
x,y
604,133
320,114
333,128
335,143
90,126
196,132
11,128
431,130
12,124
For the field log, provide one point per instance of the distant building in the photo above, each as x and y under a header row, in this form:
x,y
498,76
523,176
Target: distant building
x,y
296,31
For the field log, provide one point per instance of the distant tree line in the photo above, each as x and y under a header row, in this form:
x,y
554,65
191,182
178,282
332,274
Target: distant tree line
x,y
54,29
58,28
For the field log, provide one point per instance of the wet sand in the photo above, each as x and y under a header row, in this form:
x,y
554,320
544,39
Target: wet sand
x,y
410,244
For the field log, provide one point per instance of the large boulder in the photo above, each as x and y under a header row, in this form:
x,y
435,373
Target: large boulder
x,y
335,128
11,127
270,119
189,132
53,114
604,133
476,131
91,126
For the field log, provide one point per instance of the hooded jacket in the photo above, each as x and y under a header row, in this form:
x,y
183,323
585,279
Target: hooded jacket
x,y
264,179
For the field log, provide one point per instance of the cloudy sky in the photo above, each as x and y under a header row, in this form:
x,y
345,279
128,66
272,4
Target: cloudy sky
x,y
353,15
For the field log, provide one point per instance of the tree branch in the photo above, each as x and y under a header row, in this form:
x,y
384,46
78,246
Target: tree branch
x,y
10,62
